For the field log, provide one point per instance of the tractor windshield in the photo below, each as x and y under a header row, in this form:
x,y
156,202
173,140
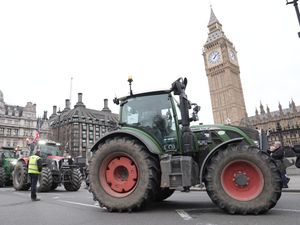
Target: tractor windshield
x,y
153,114
49,150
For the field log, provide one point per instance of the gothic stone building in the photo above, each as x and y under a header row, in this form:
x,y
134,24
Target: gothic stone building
x,y
17,124
223,73
79,128
228,105
282,125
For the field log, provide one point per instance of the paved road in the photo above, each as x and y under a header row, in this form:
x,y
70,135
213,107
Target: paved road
x,y
78,208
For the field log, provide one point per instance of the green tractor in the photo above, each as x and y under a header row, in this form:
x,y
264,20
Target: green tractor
x,y
7,164
156,151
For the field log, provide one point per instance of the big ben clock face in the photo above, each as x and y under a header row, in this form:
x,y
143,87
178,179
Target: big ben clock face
x,y
214,57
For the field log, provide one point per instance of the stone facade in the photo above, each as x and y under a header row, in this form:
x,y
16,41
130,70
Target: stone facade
x,y
79,128
17,124
282,125
223,73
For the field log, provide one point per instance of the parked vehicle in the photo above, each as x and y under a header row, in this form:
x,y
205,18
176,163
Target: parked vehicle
x,y
156,151
57,170
7,163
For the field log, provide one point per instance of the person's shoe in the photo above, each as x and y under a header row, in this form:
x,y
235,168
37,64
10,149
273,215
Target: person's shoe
x,y
285,186
35,199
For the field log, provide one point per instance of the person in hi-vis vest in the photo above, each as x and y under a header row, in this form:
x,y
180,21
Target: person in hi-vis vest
x,y
34,169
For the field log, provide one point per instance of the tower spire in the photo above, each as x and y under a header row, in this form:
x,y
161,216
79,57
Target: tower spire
x,y
214,28
213,19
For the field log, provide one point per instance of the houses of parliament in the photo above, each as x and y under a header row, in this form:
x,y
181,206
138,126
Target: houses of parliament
x,y
226,92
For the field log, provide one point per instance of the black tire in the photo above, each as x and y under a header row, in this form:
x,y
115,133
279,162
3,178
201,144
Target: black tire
x,y
128,161
163,194
2,177
45,180
243,180
76,179
53,186
20,176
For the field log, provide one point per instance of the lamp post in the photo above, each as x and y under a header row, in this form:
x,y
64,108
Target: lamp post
x,y
130,81
279,132
59,113
297,10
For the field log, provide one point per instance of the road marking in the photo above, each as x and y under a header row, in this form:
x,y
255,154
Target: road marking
x,y
55,197
183,214
287,210
78,203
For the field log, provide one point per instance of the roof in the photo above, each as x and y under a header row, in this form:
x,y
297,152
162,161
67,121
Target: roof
x,y
83,113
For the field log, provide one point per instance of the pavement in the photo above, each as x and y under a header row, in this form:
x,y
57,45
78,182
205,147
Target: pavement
x,y
294,174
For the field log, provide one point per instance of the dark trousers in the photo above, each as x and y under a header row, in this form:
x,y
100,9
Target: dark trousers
x,y
33,180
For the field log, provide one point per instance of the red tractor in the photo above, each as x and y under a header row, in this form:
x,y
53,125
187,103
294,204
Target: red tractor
x,y
56,170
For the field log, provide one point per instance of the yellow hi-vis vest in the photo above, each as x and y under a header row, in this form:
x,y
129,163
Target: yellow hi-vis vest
x,y
32,167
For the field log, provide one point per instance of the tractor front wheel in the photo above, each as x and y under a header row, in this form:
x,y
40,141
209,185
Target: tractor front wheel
x,y
76,179
2,177
243,180
123,175
45,180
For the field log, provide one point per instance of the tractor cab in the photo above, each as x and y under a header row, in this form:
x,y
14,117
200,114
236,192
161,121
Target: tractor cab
x,y
164,115
152,113
47,148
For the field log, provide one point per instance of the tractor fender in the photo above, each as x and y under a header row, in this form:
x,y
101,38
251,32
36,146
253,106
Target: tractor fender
x,y
24,160
215,150
151,144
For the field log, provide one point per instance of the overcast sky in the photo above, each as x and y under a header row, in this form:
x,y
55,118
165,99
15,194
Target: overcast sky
x,y
99,43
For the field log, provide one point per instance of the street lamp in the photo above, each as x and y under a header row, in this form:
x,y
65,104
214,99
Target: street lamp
x,y
59,113
130,81
297,10
279,132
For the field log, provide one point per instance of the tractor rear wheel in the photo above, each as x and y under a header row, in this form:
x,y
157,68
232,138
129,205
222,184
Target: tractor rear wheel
x,y
76,179
163,194
123,175
45,180
243,180
2,177
20,177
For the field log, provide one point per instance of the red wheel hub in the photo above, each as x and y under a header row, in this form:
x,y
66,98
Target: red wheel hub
x,y
242,180
119,176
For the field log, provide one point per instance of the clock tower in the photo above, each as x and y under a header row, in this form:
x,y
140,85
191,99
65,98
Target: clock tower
x,y
223,73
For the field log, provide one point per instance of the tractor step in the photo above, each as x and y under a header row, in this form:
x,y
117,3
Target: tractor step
x,y
178,171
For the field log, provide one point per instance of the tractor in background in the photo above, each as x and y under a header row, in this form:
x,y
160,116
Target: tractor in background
x,y
156,151
57,170
7,164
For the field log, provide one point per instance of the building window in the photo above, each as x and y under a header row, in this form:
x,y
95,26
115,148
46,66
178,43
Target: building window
x,y
83,134
15,132
1,131
83,143
8,132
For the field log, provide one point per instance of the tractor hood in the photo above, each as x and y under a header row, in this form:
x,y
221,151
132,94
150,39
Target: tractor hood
x,y
227,132
55,157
